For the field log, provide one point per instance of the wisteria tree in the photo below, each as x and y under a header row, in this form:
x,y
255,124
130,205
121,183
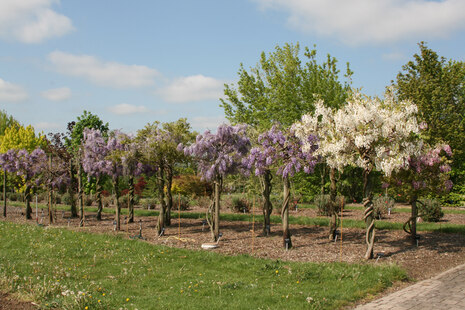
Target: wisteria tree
x,y
369,133
152,144
74,141
281,150
178,132
427,173
115,168
94,161
56,173
28,166
218,155
128,155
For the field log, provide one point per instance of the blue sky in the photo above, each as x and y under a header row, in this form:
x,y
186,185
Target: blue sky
x,y
135,62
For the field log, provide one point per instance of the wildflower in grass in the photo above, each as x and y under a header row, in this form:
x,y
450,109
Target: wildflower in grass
x,y
127,299
98,301
277,271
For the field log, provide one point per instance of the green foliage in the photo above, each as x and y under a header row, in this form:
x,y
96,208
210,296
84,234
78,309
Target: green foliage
x,y
239,205
64,269
190,185
324,205
430,210
382,205
281,89
148,203
20,137
86,120
66,199
6,121
181,202
437,87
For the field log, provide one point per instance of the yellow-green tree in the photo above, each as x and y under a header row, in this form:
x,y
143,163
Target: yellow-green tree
x,y
19,137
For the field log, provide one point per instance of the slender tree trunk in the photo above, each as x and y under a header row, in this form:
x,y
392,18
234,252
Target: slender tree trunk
x,y
161,193
267,207
50,215
4,193
332,198
216,211
169,196
368,216
413,227
117,204
81,197
285,214
27,194
98,189
71,190
322,181
131,200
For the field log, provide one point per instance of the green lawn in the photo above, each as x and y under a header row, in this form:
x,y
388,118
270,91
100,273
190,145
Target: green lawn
x,y
74,270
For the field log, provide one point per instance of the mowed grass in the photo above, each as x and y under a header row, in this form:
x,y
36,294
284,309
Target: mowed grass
x,y
75,270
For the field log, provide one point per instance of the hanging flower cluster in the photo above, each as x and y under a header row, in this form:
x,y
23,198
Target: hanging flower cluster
x,y
219,154
366,132
281,149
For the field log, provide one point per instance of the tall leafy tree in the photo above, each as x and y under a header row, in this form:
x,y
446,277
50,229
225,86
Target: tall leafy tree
x,y
281,88
218,155
437,86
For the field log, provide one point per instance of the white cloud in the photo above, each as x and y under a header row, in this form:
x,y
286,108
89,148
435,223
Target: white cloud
x,y
57,94
202,123
47,126
10,92
192,88
367,21
103,73
124,109
32,21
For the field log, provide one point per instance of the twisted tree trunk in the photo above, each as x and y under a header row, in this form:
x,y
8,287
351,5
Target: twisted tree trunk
x,y
285,214
117,204
4,193
216,209
50,215
71,190
368,214
131,200
333,208
81,197
413,225
169,196
98,189
267,207
161,193
27,195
